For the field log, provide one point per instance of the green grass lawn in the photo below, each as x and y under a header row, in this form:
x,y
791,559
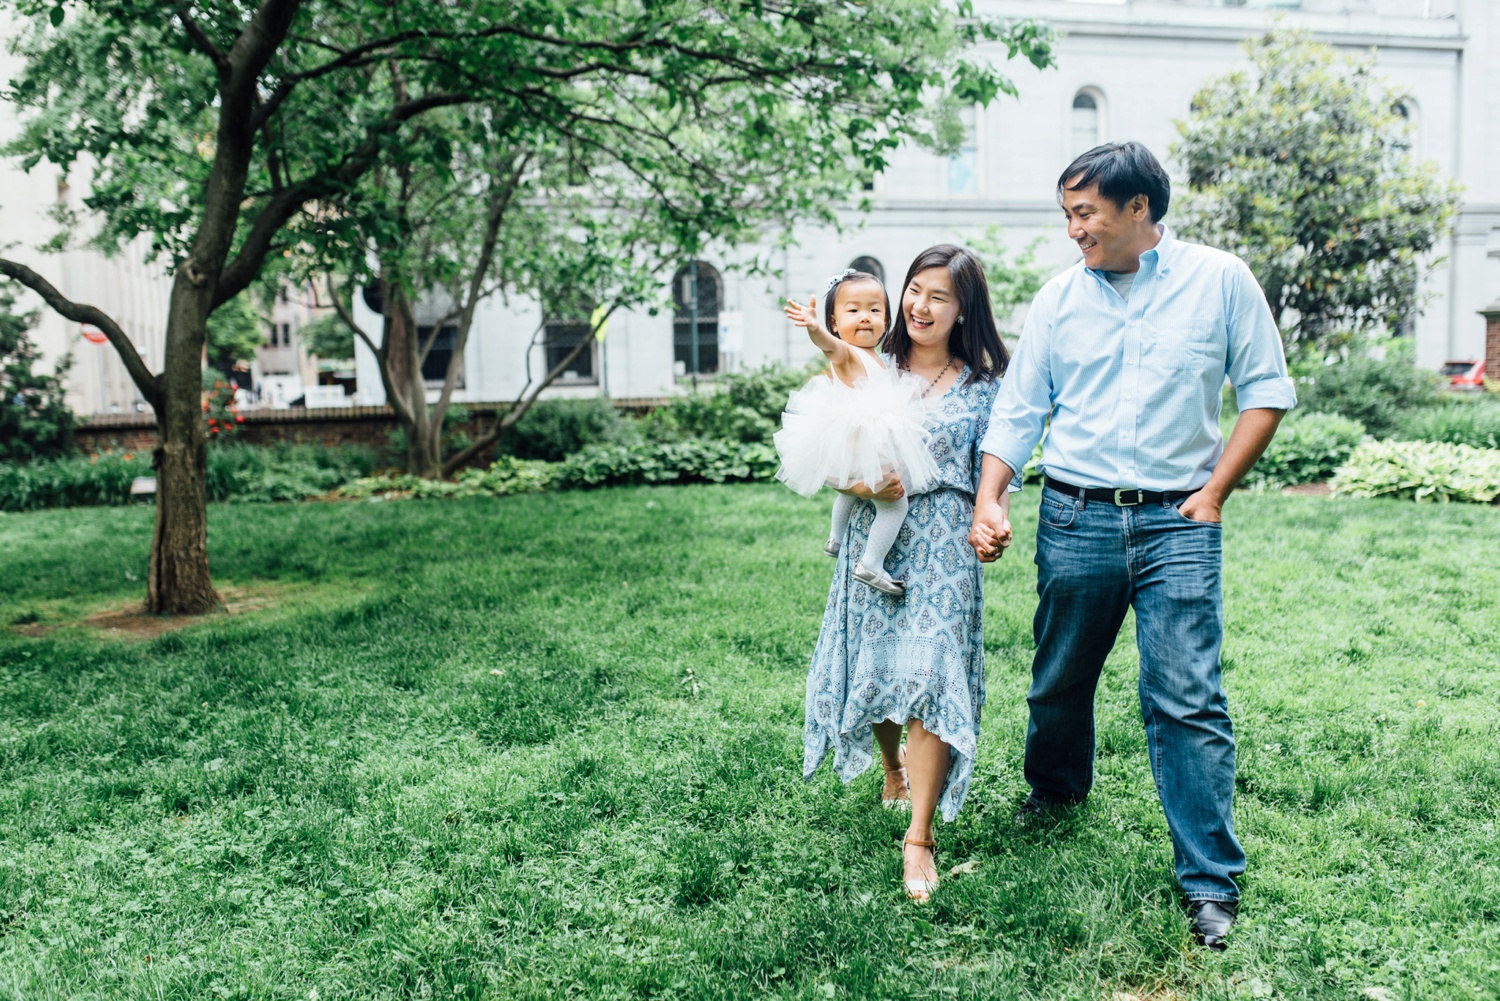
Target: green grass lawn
x,y
550,747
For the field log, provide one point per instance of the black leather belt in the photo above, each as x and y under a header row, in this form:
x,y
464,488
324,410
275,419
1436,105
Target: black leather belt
x,y
1127,497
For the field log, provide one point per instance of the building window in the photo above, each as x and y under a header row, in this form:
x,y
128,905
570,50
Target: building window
x,y
1086,121
963,166
560,338
1406,110
869,266
696,296
435,365
281,335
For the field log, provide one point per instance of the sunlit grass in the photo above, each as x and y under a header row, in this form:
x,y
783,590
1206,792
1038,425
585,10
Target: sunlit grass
x,y
550,746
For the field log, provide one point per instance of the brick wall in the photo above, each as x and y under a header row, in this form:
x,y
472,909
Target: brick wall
x,y
1491,314
325,425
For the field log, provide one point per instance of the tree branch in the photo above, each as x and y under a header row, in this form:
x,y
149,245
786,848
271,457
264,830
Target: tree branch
x,y
257,43
205,45
525,400
642,40
239,272
499,201
148,383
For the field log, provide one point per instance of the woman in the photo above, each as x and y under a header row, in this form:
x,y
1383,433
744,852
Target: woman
x,y
884,662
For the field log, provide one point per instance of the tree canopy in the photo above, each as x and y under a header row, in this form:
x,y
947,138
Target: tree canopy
x,y
231,133
1303,166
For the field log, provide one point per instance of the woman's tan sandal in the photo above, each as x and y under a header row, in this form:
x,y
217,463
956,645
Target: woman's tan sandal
x,y
919,890
898,798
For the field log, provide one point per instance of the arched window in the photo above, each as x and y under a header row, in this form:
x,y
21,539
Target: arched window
x,y
1086,121
696,297
869,266
1406,109
560,337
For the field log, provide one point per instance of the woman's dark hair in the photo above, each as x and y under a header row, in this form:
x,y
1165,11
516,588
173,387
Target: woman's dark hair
x,y
975,341
832,294
1122,171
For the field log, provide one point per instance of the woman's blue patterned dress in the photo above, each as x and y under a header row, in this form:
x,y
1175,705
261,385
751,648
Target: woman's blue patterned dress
x,y
921,656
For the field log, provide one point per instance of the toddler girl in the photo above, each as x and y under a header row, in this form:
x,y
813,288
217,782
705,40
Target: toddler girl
x,y
863,422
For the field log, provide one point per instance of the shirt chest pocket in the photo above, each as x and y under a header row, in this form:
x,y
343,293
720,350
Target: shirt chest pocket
x,y
1177,349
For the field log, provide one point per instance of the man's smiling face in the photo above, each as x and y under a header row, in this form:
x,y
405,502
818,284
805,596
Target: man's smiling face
x,y
1109,236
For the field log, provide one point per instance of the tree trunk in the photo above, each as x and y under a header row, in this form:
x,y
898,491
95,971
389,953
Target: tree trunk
x,y
403,349
178,582
422,459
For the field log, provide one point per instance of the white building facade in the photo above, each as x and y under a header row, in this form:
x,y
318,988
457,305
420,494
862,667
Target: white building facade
x,y
1126,70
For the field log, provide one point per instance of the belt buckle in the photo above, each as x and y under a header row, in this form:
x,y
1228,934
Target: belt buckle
x,y
1139,498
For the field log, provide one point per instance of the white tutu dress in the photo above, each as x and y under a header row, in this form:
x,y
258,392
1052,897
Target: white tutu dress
x,y
837,435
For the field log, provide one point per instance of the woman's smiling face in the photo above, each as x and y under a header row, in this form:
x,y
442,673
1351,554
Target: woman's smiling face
x,y
930,307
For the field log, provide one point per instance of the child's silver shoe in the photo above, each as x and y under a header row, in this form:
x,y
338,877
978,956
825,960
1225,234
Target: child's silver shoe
x,y
831,548
879,580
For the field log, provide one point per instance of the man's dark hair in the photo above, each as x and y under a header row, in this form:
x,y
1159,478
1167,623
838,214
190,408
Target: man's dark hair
x,y
1122,171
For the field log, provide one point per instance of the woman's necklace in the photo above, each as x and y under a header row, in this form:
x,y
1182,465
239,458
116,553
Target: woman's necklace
x,y
935,379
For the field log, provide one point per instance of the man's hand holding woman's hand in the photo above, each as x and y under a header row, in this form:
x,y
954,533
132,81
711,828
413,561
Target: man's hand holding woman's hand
x,y
990,535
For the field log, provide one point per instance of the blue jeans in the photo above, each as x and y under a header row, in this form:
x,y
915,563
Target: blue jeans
x,y
1096,560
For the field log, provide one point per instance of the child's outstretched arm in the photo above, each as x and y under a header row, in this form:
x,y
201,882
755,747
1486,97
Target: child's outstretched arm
x,y
807,316
840,355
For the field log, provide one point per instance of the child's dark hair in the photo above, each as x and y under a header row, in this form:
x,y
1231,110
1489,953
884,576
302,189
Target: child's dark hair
x,y
974,341
833,293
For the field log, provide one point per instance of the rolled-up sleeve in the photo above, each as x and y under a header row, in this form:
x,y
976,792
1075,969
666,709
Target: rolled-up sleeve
x,y
1019,415
1256,365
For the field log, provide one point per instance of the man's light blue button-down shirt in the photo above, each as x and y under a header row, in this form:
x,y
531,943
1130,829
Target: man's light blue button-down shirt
x,y
1134,387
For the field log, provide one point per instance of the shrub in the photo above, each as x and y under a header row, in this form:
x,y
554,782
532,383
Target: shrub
x,y
743,407
1308,448
77,481
507,475
1376,392
35,422
595,466
220,411
283,471
554,429
235,472
668,462
1421,470
1476,424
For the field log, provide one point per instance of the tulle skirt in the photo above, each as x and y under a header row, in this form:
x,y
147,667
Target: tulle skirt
x,y
837,435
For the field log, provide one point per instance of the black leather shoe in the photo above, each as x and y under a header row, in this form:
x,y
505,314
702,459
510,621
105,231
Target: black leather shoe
x,y
1030,812
1034,811
1211,921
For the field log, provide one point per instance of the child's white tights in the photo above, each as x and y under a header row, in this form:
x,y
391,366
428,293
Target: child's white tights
x,y
883,531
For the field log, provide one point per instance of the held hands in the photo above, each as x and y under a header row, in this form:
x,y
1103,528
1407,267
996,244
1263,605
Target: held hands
x,y
990,535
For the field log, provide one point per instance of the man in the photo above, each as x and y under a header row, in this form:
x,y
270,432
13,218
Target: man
x,y
1127,352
